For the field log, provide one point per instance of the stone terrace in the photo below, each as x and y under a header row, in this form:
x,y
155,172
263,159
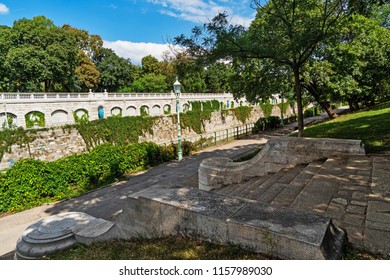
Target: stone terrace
x,y
353,190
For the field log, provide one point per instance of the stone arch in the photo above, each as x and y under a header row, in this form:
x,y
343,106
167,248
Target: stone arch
x,y
59,117
167,109
131,111
144,110
156,110
35,119
116,111
8,120
81,115
186,107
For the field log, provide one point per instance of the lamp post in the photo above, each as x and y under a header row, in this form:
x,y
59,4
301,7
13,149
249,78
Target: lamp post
x,y
5,113
176,88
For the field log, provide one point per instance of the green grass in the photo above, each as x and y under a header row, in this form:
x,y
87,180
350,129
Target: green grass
x,y
176,248
163,248
372,126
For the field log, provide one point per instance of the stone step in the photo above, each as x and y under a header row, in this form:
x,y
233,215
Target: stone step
x,y
278,231
287,196
272,192
260,189
318,192
251,185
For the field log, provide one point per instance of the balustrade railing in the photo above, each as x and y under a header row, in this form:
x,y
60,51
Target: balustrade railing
x,y
105,95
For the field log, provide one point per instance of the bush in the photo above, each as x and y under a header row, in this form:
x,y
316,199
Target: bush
x,y
309,112
269,123
31,182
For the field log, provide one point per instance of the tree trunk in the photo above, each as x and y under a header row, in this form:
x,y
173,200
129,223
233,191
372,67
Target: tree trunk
x,y
312,89
298,91
326,106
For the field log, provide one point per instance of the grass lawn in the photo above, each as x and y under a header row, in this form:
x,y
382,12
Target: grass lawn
x,y
372,126
163,248
174,248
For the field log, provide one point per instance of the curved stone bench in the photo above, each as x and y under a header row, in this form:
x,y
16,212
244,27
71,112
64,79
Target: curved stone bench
x,y
278,153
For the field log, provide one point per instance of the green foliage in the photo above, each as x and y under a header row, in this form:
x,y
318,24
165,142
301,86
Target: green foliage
x,y
201,111
35,119
167,110
311,112
268,123
149,83
194,120
242,113
370,126
283,107
118,131
83,119
267,108
144,111
31,182
17,136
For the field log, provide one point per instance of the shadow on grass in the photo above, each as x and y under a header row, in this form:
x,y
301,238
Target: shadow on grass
x,y
372,127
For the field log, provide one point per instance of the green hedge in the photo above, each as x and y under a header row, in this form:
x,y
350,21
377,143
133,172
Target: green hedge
x,y
31,182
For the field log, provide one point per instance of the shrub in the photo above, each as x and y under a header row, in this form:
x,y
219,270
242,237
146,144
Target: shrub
x,y
31,182
269,123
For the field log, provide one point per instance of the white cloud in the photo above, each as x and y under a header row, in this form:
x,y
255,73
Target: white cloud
x,y
202,11
136,51
3,9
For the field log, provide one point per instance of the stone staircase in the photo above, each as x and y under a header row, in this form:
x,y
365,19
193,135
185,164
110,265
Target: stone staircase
x,y
280,188
352,190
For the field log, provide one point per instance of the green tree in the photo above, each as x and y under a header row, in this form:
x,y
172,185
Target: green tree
x,y
360,58
40,55
115,72
150,83
150,65
217,77
284,31
190,73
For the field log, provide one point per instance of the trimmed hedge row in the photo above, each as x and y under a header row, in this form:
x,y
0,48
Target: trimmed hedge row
x,y
30,182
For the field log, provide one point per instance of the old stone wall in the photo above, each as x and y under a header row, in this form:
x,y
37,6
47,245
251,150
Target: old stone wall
x,y
48,146
57,142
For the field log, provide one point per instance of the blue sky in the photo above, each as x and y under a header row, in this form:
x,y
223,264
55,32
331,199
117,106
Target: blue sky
x,y
132,28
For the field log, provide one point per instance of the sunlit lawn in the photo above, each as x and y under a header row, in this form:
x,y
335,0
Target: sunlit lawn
x,y
371,126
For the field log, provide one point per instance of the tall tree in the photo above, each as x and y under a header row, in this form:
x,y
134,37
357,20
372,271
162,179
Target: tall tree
x,y
284,31
115,72
40,53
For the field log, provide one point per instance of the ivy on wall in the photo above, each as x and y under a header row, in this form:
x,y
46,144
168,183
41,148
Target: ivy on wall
x,y
167,110
283,107
35,119
17,136
242,113
118,131
81,117
267,108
